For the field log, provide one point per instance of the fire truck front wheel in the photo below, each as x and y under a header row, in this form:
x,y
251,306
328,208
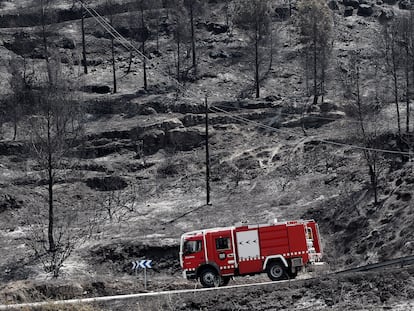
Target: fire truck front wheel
x,y
276,271
210,278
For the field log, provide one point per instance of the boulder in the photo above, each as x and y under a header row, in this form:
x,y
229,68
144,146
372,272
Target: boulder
x,y
333,5
282,12
9,148
217,28
405,5
146,111
349,10
365,10
171,124
66,43
386,15
107,183
185,139
153,141
353,3
218,54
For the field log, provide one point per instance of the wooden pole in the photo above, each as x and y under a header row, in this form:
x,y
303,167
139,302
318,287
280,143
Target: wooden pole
x,y
207,157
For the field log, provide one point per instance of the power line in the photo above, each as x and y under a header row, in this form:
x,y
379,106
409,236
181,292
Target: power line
x,y
128,45
329,142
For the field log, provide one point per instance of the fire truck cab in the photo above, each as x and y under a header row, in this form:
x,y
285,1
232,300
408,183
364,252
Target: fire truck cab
x,y
280,249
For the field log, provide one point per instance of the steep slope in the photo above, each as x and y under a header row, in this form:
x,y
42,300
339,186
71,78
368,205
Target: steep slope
x,y
149,146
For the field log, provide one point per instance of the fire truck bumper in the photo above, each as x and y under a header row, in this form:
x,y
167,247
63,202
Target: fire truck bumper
x,y
189,275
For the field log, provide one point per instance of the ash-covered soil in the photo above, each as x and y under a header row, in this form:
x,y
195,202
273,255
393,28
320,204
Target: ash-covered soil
x,y
256,174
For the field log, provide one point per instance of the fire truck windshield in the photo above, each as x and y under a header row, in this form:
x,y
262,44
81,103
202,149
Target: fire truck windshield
x,y
192,246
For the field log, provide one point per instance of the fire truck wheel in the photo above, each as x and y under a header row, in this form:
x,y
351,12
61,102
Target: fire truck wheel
x,y
210,278
275,271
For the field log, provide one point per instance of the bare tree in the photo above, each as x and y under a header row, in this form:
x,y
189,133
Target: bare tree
x,y
193,8
54,130
393,57
108,11
83,13
405,39
181,37
46,16
143,33
117,204
315,25
365,110
253,16
21,83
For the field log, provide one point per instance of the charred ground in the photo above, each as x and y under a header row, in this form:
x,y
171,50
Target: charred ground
x,y
257,175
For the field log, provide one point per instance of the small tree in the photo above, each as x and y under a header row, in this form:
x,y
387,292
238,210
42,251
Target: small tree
x,y
54,130
18,103
143,33
181,36
109,4
253,16
401,55
83,13
193,8
117,204
314,21
365,111
393,59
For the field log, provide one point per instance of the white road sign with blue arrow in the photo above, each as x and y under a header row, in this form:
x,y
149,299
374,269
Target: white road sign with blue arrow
x,y
144,264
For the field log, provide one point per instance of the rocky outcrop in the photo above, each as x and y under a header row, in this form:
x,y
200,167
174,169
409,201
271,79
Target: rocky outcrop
x,y
9,148
185,139
386,15
365,10
153,141
352,3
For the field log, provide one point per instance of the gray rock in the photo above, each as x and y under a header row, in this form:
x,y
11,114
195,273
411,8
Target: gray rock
x,y
386,15
405,5
185,138
333,5
365,10
349,10
153,140
219,54
353,3
148,111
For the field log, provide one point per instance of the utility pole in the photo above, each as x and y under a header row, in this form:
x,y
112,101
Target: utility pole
x,y
85,65
207,157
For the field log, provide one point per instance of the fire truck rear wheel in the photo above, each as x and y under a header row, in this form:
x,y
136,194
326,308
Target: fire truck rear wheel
x,y
210,278
276,271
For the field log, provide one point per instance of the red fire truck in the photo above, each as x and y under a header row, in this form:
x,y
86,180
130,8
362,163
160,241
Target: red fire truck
x,y
280,249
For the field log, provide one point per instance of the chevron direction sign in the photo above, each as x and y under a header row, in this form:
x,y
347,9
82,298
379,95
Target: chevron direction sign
x,y
144,264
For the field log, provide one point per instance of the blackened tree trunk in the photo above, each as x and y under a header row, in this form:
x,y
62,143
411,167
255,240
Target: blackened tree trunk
x,y
113,66
193,40
84,61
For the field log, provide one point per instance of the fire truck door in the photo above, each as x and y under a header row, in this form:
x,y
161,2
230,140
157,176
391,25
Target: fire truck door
x,y
223,252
